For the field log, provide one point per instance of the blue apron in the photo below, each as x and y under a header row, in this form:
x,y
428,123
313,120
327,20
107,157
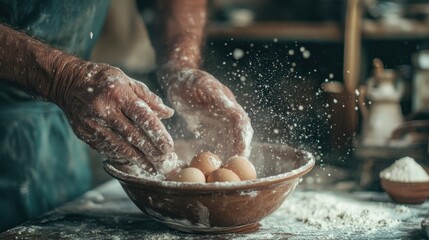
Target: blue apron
x,y
42,163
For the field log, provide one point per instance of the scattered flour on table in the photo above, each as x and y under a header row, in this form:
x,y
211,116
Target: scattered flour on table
x,y
334,212
405,169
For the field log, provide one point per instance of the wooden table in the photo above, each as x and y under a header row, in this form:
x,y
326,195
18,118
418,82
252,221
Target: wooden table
x,y
107,213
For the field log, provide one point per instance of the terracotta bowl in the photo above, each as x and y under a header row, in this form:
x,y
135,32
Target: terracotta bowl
x,y
215,207
406,192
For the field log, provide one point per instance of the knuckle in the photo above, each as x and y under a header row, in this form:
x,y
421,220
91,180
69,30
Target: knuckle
x,y
143,88
113,71
97,105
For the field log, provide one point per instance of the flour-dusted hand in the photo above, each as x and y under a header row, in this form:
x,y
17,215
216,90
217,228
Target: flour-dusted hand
x,y
208,107
113,113
210,111
116,115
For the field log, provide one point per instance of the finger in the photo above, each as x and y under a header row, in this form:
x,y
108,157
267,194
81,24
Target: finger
x,y
223,124
242,133
135,136
163,163
114,147
153,101
143,116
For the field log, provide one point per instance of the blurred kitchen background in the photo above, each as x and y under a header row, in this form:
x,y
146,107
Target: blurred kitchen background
x,y
305,72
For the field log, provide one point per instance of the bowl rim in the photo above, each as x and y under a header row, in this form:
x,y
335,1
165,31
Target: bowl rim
x,y
286,177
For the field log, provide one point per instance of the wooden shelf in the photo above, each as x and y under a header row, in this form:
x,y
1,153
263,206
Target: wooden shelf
x,y
324,31
401,30
320,32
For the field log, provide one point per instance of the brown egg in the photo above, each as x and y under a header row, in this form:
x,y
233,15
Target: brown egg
x,y
242,167
223,175
207,162
189,174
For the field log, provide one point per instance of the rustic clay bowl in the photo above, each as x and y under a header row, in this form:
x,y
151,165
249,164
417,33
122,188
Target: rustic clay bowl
x,y
406,192
219,207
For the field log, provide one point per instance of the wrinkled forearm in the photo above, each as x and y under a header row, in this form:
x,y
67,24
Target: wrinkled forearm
x,y
33,65
180,32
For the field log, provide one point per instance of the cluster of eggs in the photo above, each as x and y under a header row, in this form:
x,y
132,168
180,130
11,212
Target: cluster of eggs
x,y
207,167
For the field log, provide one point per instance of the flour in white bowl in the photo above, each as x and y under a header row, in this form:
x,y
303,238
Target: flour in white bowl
x,y
405,169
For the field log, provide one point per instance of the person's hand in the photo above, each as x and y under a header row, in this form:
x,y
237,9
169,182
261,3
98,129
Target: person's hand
x,y
117,116
210,111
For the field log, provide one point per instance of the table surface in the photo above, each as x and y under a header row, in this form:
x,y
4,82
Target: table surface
x,y
107,213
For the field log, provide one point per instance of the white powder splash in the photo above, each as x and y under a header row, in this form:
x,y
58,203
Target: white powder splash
x,y
276,90
237,53
405,169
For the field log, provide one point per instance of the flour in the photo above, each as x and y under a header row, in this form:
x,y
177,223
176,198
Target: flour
x,y
168,164
405,170
137,171
332,212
